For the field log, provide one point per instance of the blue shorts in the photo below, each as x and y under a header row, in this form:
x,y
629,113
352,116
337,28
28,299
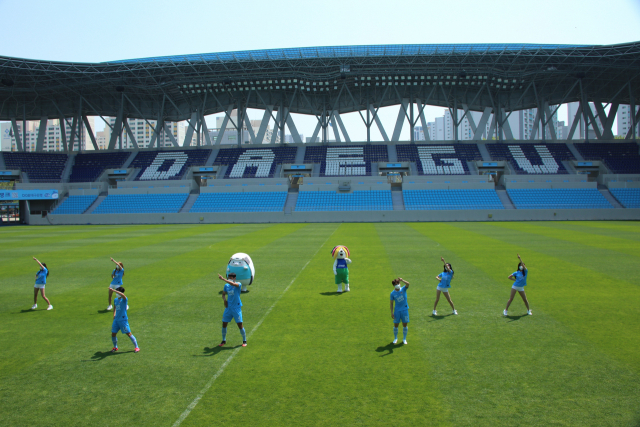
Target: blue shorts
x,y
120,325
232,314
401,316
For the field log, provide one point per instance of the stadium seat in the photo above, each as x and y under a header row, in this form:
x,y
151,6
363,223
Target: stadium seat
x,y
539,158
40,167
451,199
167,165
254,162
240,202
620,157
142,203
352,160
75,205
312,201
558,198
628,197
430,159
88,166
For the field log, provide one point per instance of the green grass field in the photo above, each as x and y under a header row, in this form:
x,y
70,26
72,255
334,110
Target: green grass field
x,y
315,357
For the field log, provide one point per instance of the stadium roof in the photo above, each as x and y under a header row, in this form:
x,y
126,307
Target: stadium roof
x,y
320,79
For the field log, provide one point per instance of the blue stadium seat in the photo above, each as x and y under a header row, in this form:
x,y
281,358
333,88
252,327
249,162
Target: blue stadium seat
x,y
240,202
167,165
451,199
450,159
628,197
40,167
88,166
351,160
538,158
142,203
313,201
620,157
254,162
558,198
75,205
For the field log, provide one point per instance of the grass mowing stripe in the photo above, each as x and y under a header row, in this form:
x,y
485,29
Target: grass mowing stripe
x,y
620,229
325,359
583,237
571,292
529,369
206,388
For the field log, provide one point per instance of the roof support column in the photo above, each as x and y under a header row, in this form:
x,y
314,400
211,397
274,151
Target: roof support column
x,y
85,120
506,127
276,127
456,137
72,138
188,135
632,112
42,132
293,129
264,124
423,121
242,114
379,123
606,120
482,124
117,128
132,137
205,129
574,123
223,126
400,120
343,129
16,134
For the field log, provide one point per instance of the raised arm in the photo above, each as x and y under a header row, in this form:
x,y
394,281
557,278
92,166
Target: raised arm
x,y
232,283
446,267
118,292
39,263
405,282
523,264
119,264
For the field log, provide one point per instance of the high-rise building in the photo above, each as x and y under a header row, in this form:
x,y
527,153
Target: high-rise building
x,y
52,137
625,120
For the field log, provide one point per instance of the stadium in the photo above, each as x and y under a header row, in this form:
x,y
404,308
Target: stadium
x,y
173,214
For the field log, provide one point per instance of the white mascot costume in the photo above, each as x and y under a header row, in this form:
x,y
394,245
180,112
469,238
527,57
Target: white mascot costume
x,y
340,267
242,265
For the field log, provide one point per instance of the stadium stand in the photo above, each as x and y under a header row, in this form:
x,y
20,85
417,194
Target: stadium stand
x,y
272,201
352,160
376,200
75,204
620,157
439,159
141,203
167,165
451,199
89,166
533,158
254,163
40,167
558,198
628,197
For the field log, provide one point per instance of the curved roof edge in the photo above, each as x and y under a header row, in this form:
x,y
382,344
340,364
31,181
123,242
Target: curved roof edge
x,y
356,51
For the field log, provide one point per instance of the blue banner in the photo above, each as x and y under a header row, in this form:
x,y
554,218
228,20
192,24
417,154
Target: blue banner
x,y
28,195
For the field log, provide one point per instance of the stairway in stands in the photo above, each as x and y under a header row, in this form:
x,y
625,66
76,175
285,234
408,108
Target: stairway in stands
x,y
504,198
397,198
292,199
95,204
607,195
189,203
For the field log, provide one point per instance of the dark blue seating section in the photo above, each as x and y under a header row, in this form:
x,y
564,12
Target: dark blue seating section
x,y
451,199
142,203
628,197
88,166
167,165
558,198
240,202
254,162
309,201
620,157
351,160
75,204
40,167
533,158
450,159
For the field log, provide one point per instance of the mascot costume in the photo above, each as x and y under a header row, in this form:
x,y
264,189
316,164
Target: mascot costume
x,y
242,265
340,269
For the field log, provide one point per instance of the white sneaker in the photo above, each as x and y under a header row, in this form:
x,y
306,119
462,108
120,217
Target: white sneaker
x,y
435,313
347,289
127,307
529,312
404,342
339,289
395,341
455,312
110,307
34,306
505,313
50,307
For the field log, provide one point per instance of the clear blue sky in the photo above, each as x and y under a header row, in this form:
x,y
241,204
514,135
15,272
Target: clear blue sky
x,y
91,31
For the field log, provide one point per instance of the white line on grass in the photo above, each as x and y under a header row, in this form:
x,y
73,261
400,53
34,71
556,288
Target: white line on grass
x,y
206,388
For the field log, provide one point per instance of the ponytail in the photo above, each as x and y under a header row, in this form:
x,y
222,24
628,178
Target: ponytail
x,y
45,266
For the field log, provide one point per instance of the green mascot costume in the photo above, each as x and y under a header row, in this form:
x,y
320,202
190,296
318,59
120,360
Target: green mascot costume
x,y
340,267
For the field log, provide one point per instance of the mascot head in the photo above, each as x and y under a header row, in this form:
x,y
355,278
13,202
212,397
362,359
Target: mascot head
x,y
240,261
340,252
